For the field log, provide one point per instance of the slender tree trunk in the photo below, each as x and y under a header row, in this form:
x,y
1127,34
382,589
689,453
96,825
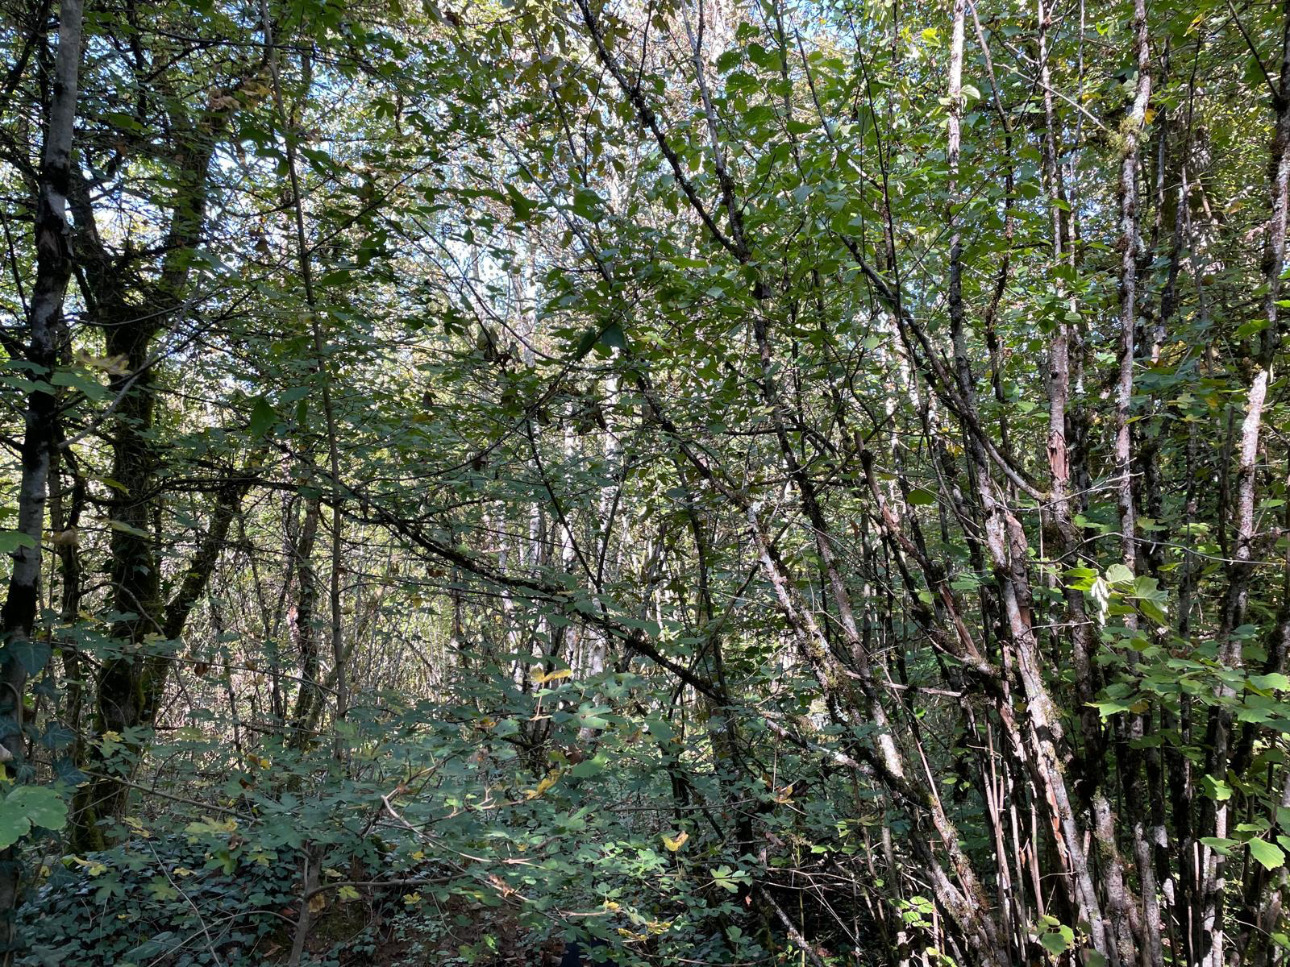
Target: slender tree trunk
x,y
46,334
1242,555
304,260
305,623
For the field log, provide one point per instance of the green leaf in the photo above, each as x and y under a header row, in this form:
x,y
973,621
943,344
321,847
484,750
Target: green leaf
x,y
522,207
1153,611
1267,683
1119,574
78,380
586,203
1147,587
1112,706
1056,943
14,824
124,528
44,807
1219,844
586,343
10,541
728,879
1250,328
588,768
920,497
1216,789
29,806
1268,854
614,336
262,417
31,653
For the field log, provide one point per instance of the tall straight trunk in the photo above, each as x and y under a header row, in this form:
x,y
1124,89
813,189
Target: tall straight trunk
x,y
1241,552
953,150
1130,243
1042,739
305,623
131,683
45,334
304,259
1130,729
133,309
1066,536
64,524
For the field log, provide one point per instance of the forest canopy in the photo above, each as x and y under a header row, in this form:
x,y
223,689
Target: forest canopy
x,y
716,482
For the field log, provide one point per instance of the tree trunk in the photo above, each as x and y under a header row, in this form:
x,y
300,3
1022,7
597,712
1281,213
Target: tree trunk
x,y
46,333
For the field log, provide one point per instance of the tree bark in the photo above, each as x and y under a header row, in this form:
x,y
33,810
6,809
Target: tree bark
x,y
46,333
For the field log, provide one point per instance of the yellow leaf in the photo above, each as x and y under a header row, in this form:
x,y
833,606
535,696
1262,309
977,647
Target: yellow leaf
x,y
411,899
347,893
92,867
675,843
112,365
551,779
317,902
541,678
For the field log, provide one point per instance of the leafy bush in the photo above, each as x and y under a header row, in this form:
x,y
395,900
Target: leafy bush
x,y
163,901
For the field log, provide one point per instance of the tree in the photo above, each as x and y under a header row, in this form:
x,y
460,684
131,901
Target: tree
x,y
24,655
788,481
